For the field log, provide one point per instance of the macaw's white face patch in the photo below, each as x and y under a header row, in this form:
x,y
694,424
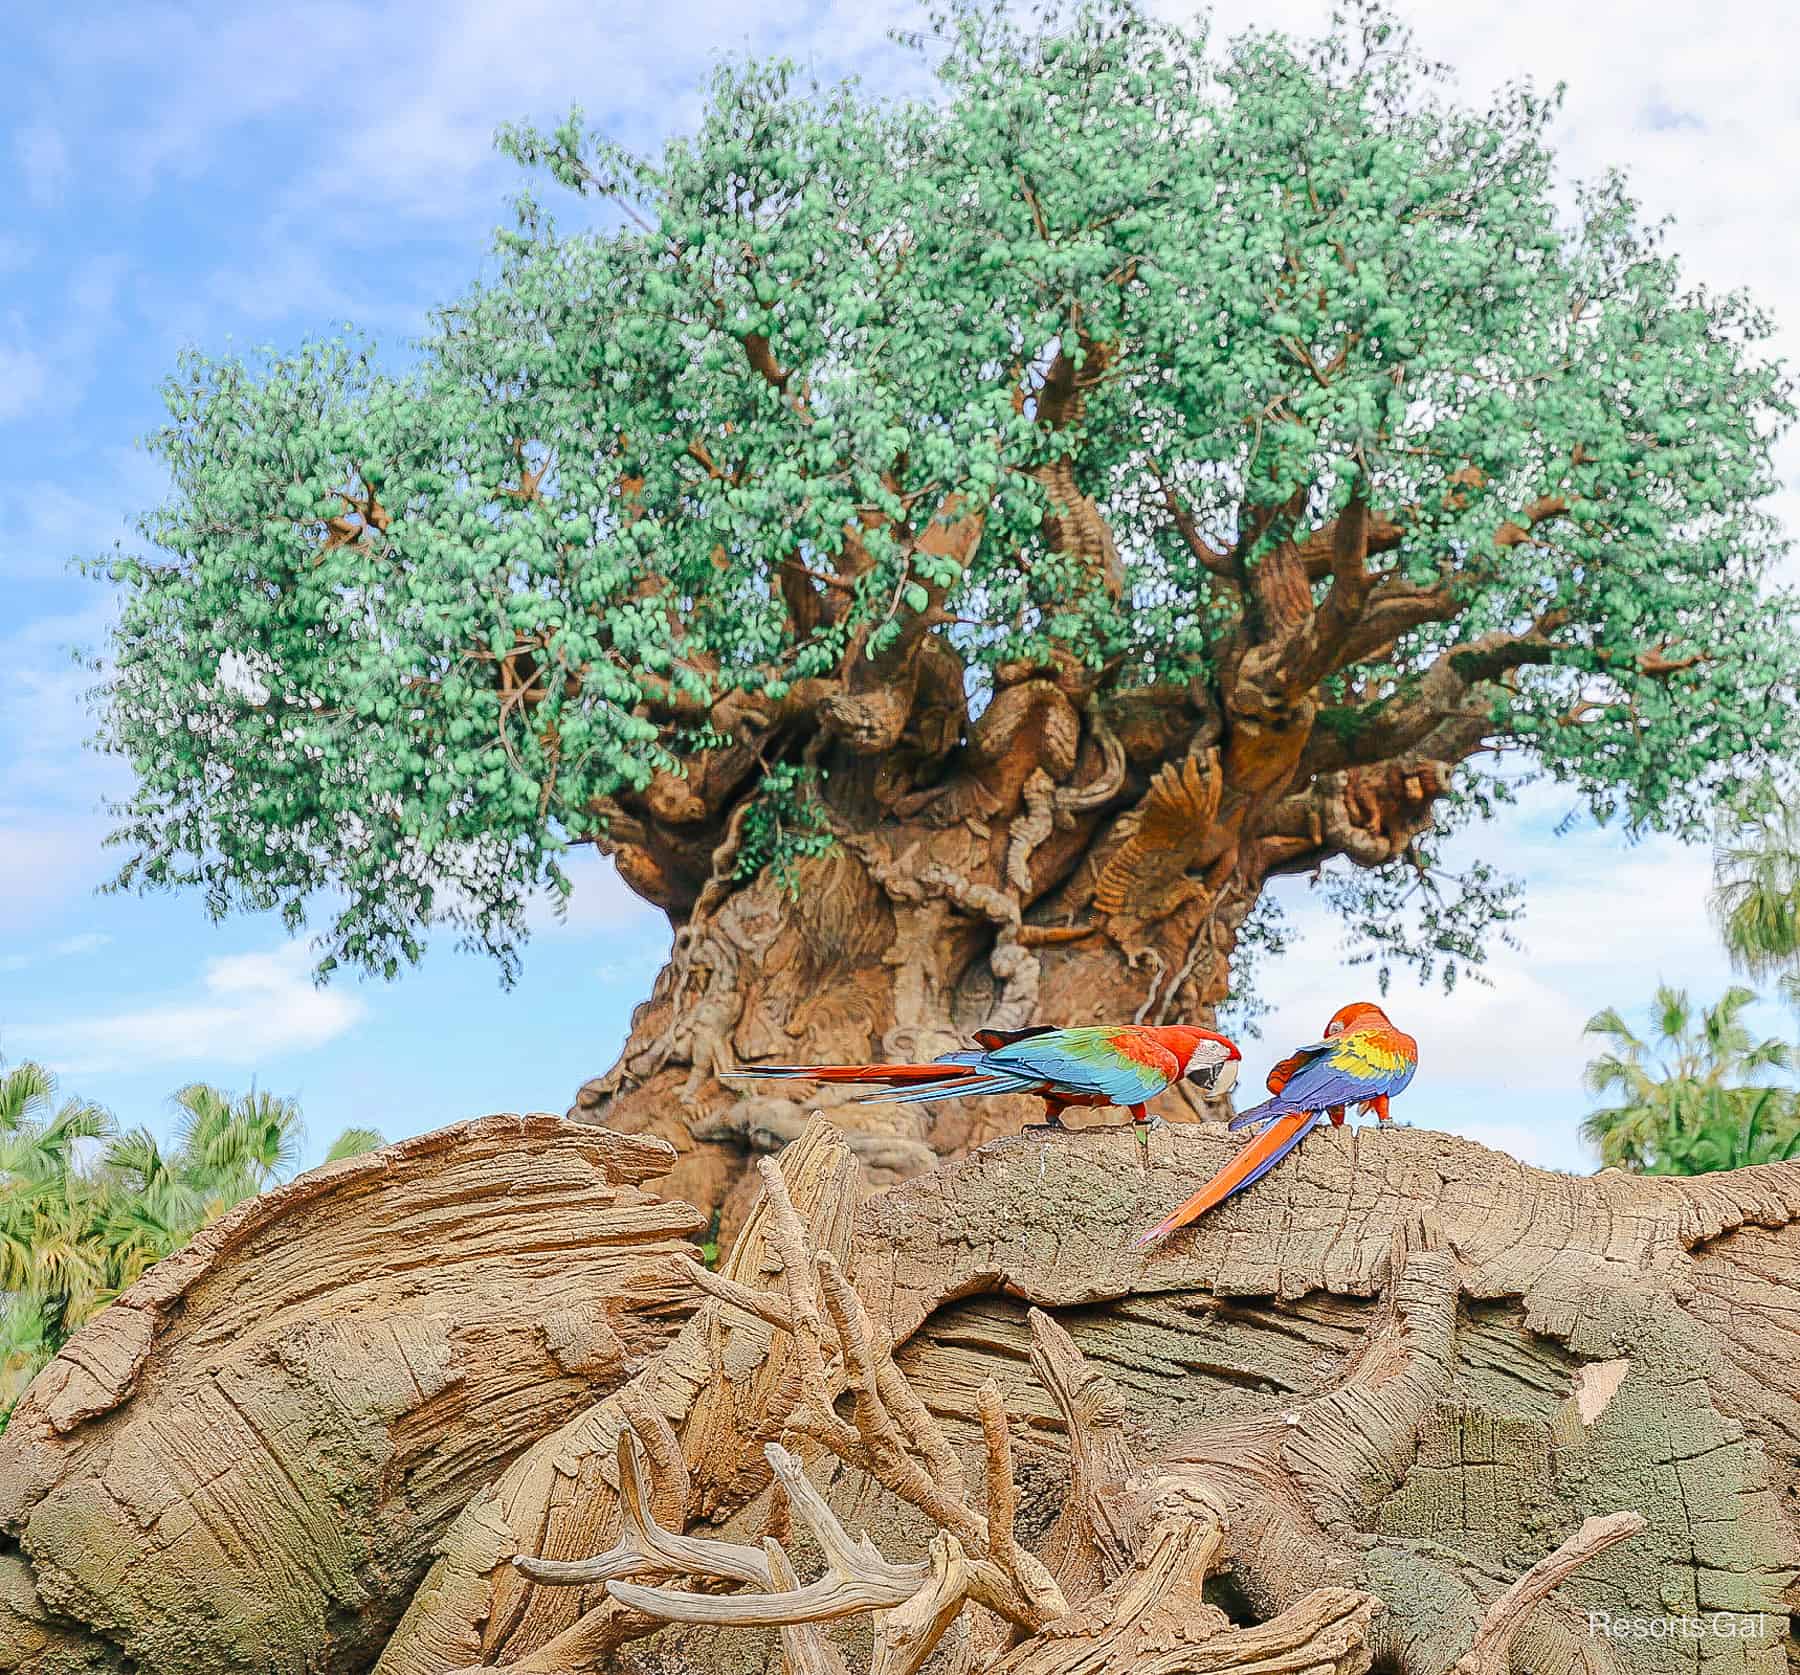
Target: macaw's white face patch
x,y
1212,1066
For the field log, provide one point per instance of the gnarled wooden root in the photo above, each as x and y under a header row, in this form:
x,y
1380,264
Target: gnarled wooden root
x,y
246,1462
1327,1428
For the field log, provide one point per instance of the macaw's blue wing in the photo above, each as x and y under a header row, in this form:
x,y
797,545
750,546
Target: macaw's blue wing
x,y
1341,1072
1102,1059
1278,1081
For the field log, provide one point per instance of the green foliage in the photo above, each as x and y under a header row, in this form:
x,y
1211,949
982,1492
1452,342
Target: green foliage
x,y
56,1265
404,636
85,1209
1264,936
353,1142
1756,882
785,823
1695,1094
1425,915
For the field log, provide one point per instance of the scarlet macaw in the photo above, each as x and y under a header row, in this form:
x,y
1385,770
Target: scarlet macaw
x,y
1363,1060
1095,1064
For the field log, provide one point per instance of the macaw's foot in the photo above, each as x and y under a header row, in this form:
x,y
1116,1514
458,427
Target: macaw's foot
x,y
1052,1119
1141,1123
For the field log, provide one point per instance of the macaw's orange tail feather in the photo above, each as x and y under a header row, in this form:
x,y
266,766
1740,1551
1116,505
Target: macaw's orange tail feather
x,y
1249,1164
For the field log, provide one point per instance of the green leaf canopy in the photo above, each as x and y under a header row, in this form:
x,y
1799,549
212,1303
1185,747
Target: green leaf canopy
x,y
1047,367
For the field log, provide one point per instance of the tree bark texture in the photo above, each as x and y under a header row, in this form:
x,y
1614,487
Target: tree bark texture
x,y
245,1462
1014,896
1397,1376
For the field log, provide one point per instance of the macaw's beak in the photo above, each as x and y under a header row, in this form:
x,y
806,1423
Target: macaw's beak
x,y
1215,1065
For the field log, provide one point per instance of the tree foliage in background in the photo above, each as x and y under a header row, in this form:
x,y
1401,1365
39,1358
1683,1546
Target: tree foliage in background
x,y
1697,1093
84,1209
1700,1092
1756,881
1270,387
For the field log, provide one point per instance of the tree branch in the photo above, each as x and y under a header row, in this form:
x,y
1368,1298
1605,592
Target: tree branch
x,y
1491,1653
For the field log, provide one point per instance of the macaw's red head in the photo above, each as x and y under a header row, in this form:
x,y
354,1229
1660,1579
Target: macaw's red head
x,y
1207,1058
1359,1014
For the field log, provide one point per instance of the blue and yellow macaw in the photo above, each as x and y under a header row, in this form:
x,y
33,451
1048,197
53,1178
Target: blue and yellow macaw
x,y
1362,1060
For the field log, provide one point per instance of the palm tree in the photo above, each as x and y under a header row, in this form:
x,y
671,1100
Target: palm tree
x,y
1756,885
353,1142
250,1141
85,1210
55,1270
1693,1097
228,1147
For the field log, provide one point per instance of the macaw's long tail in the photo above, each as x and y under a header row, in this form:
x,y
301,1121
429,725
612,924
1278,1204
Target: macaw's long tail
x,y
950,1077
1260,1115
889,1075
954,1076
1246,1167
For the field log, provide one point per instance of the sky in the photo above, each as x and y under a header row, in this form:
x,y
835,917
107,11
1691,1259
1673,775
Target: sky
x,y
224,177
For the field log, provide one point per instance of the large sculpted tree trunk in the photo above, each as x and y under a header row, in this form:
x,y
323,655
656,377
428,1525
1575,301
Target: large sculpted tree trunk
x,y
1070,851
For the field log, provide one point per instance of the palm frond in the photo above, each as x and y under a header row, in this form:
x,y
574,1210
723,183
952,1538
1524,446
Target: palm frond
x,y
354,1142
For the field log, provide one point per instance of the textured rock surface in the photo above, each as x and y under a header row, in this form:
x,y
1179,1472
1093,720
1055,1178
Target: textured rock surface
x,y
1398,1373
714,1389
1406,1366
246,1462
1553,1347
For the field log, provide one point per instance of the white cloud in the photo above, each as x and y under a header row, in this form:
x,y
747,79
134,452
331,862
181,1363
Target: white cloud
x,y
1545,1148
43,160
252,1007
23,375
44,859
46,522
423,151
46,369
69,947
600,902
85,943
44,719
470,67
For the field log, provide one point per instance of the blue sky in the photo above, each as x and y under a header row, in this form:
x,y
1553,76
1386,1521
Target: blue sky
x,y
230,176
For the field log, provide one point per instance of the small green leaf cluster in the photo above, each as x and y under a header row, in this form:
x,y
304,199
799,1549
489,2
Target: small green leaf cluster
x,y
784,824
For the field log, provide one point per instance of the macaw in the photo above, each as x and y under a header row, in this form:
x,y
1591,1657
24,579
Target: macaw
x,y
1362,1060
1096,1064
